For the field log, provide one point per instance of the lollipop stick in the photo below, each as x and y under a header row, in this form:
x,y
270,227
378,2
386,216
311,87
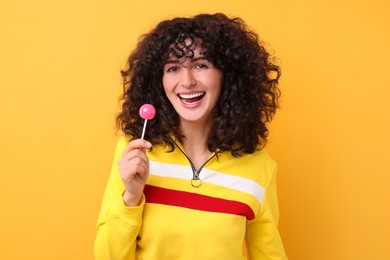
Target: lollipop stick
x,y
143,130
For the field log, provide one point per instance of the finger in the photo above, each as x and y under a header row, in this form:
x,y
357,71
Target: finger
x,y
137,144
132,171
134,155
134,158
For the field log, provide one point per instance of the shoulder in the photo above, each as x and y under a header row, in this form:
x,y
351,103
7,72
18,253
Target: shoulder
x,y
124,139
122,143
259,158
258,166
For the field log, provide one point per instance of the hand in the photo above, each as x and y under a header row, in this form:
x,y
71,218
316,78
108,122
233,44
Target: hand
x,y
134,170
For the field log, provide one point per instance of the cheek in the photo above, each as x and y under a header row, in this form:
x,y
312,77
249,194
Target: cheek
x,y
216,85
167,83
214,80
169,89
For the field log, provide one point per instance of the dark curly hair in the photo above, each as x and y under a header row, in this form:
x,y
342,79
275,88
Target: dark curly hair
x,y
249,95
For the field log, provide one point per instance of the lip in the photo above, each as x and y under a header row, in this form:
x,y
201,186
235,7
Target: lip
x,y
185,99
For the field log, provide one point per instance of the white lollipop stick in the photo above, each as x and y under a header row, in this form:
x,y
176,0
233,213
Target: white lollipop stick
x,y
143,130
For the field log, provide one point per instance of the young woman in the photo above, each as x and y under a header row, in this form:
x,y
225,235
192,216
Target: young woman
x,y
201,186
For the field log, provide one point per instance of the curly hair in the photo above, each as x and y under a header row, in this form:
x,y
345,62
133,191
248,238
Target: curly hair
x,y
249,95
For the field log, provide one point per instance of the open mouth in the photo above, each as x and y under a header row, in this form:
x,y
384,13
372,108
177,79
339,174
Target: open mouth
x,y
191,98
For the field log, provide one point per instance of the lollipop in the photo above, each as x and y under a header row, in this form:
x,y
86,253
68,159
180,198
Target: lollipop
x,y
147,112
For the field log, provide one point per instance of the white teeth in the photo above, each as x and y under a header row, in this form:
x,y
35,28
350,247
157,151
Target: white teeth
x,y
193,95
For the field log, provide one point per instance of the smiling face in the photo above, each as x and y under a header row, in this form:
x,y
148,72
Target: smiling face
x,y
193,86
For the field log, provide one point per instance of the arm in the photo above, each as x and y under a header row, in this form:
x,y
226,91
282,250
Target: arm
x,y
119,221
263,239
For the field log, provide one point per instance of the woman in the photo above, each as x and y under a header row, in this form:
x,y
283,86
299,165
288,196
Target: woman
x,y
201,186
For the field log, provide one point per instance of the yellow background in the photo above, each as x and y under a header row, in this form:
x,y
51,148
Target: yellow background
x,y
59,80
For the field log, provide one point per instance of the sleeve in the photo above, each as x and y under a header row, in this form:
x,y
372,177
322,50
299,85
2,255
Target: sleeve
x,y
118,226
263,239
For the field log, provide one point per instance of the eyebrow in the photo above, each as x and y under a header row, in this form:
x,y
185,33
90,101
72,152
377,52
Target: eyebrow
x,y
177,61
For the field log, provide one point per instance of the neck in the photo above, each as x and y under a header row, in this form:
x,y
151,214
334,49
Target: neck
x,y
195,142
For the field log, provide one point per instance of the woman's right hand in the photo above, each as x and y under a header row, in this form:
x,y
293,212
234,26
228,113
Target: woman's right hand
x,y
134,170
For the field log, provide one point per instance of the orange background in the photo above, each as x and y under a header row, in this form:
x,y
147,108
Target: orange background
x,y
59,82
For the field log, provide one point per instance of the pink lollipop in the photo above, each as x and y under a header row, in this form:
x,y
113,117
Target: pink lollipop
x,y
147,112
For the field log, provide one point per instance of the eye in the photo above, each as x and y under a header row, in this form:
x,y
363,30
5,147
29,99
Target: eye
x,y
172,69
201,66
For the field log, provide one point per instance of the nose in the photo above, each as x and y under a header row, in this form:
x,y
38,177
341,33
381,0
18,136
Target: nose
x,y
187,80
